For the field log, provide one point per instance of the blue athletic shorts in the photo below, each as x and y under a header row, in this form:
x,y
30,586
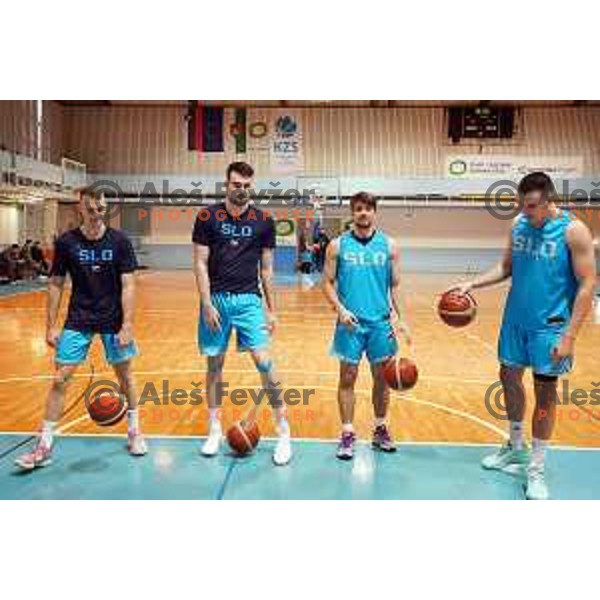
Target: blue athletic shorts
x,y
376,339
245,313
73,347
521,347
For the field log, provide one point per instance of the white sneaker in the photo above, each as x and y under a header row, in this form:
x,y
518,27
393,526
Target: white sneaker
x,y
40,456
136,443
213,441
283,451
505,458
536,484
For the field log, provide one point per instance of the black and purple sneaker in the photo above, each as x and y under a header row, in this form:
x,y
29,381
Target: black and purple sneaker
x,y
345,449
382,440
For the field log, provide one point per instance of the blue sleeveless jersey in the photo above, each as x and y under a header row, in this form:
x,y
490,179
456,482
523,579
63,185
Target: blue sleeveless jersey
x,y
544,285
364,276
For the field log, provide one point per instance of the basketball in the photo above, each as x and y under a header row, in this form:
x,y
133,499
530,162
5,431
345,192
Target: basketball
x,y
243,437
457,309
107,408
401,374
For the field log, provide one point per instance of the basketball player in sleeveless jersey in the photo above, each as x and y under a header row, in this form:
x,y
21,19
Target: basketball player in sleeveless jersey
x,y
101,263
361,282
550,261
233,243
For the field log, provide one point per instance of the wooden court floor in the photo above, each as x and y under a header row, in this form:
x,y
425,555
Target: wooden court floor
x,y
448,404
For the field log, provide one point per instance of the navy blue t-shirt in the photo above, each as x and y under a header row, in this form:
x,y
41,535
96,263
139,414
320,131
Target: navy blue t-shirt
x,y
235,244
95,268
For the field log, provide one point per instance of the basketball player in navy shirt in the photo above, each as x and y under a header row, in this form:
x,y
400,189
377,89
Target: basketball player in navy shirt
x,y
233,242
101,263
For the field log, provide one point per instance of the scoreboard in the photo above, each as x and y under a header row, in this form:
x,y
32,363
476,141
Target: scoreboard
x,y
480,122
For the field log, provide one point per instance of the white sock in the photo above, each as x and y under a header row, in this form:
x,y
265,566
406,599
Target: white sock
x,y
379,422
538,452
516,435
281,421
213,418
347,428
47,436
133,422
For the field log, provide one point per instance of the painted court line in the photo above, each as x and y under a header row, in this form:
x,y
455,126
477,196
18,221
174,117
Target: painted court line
x,y
79,375
14,293
225,481
303,440
405,398
491,349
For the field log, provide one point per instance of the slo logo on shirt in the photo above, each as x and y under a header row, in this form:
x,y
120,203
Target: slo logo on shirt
x,y
534,248
92,256
235,231
365,259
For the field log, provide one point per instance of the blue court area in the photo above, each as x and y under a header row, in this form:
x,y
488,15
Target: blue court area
x,y
99,467
21,287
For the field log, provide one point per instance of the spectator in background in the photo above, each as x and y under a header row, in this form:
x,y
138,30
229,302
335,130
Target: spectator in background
x,y
11,263
40,264
322,242
305,262
27,268
26,250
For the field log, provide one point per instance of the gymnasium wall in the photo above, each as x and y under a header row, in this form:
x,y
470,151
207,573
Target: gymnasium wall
x,y
18,128
9,224
376,142
392,143
414,226
35,221
387,143
418,227
432,239
39,222
53,132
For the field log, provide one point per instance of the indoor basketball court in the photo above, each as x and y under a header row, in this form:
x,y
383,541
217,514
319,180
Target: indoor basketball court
x,y
433,169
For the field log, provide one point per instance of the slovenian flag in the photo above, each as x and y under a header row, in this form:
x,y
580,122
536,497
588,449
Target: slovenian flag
x,y
205,127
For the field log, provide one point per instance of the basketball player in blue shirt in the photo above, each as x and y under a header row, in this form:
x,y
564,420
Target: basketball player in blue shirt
x,y
550,260
362,283
233,241
101,263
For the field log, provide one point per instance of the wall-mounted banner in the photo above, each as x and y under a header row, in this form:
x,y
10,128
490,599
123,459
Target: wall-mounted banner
x,y
285,231
287,154
493,166
257,128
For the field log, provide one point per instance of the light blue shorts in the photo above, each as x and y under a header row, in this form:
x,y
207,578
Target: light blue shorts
x,y
245,313
376,339
521,347
73,347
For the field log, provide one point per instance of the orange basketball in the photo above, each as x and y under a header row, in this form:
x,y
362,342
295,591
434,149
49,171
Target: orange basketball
x,y
401,374
457,309
243,437
107,408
